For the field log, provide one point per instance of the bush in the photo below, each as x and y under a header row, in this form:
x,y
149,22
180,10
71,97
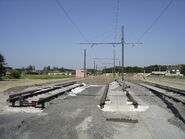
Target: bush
x,y
2,66
183,69
14,74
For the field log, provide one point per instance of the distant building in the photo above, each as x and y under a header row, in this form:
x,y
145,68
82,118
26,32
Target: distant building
x,y
59,73
80,73
158,72
55,73
173,70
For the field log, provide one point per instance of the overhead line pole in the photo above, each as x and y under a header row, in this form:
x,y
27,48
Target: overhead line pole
x,y
114,59
84,63
114,62
94,68
122,44
114,43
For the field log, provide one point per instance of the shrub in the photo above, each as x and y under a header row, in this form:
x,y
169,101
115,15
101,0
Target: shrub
x,y
2,66
14,74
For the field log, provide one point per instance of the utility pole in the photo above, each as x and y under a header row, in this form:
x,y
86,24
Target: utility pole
x,y
94,68
84,63
122,44
114,61
116,43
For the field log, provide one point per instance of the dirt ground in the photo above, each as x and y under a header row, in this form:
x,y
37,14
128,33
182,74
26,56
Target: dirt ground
x,y
171,82
80,117
18,85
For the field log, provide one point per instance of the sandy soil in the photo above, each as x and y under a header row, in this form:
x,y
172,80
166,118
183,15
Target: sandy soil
x,y
18,85
79,117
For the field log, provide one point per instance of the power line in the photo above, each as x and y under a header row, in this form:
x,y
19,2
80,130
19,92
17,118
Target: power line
x,y
104,59
114,43
155,21
70,19
75,26
116,19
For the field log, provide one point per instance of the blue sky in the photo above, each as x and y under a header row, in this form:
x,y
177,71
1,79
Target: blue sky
x,y
37,32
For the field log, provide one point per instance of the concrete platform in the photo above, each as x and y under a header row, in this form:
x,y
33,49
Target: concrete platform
x,y
118,101
153,115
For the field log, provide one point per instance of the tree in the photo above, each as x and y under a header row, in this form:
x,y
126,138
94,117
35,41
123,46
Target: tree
x,y
183,69
14,74
46,70
2,65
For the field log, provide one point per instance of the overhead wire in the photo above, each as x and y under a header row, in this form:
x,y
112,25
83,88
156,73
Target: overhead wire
x,y
73,23
155,20
116,19
70,19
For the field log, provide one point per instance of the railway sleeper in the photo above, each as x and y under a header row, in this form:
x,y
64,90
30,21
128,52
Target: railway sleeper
x,y
126,120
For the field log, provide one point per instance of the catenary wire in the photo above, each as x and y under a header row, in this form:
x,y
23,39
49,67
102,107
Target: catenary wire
x,y
155,20
116,19
70,19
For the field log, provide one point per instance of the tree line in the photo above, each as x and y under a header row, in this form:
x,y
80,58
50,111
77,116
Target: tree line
x,y
15,73
146,69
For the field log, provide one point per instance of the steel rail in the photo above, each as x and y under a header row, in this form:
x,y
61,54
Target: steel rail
x,y
175,90
134,102
123,84
163,94
42,101
104,96
24,95
23,92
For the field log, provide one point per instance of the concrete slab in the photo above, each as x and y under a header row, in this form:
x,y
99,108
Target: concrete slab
x,y
119,101
153,120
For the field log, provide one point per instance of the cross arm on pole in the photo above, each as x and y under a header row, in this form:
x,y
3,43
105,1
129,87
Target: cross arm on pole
x,y
95,43
130,43
111,43
105,59
107,63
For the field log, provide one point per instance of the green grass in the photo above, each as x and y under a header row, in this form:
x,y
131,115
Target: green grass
x,y
46,76
5,78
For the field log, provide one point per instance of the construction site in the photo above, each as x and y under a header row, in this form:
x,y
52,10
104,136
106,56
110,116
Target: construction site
x,y
95,107
121,86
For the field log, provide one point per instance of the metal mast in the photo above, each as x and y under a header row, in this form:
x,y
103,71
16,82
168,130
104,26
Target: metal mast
x,y
115,43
